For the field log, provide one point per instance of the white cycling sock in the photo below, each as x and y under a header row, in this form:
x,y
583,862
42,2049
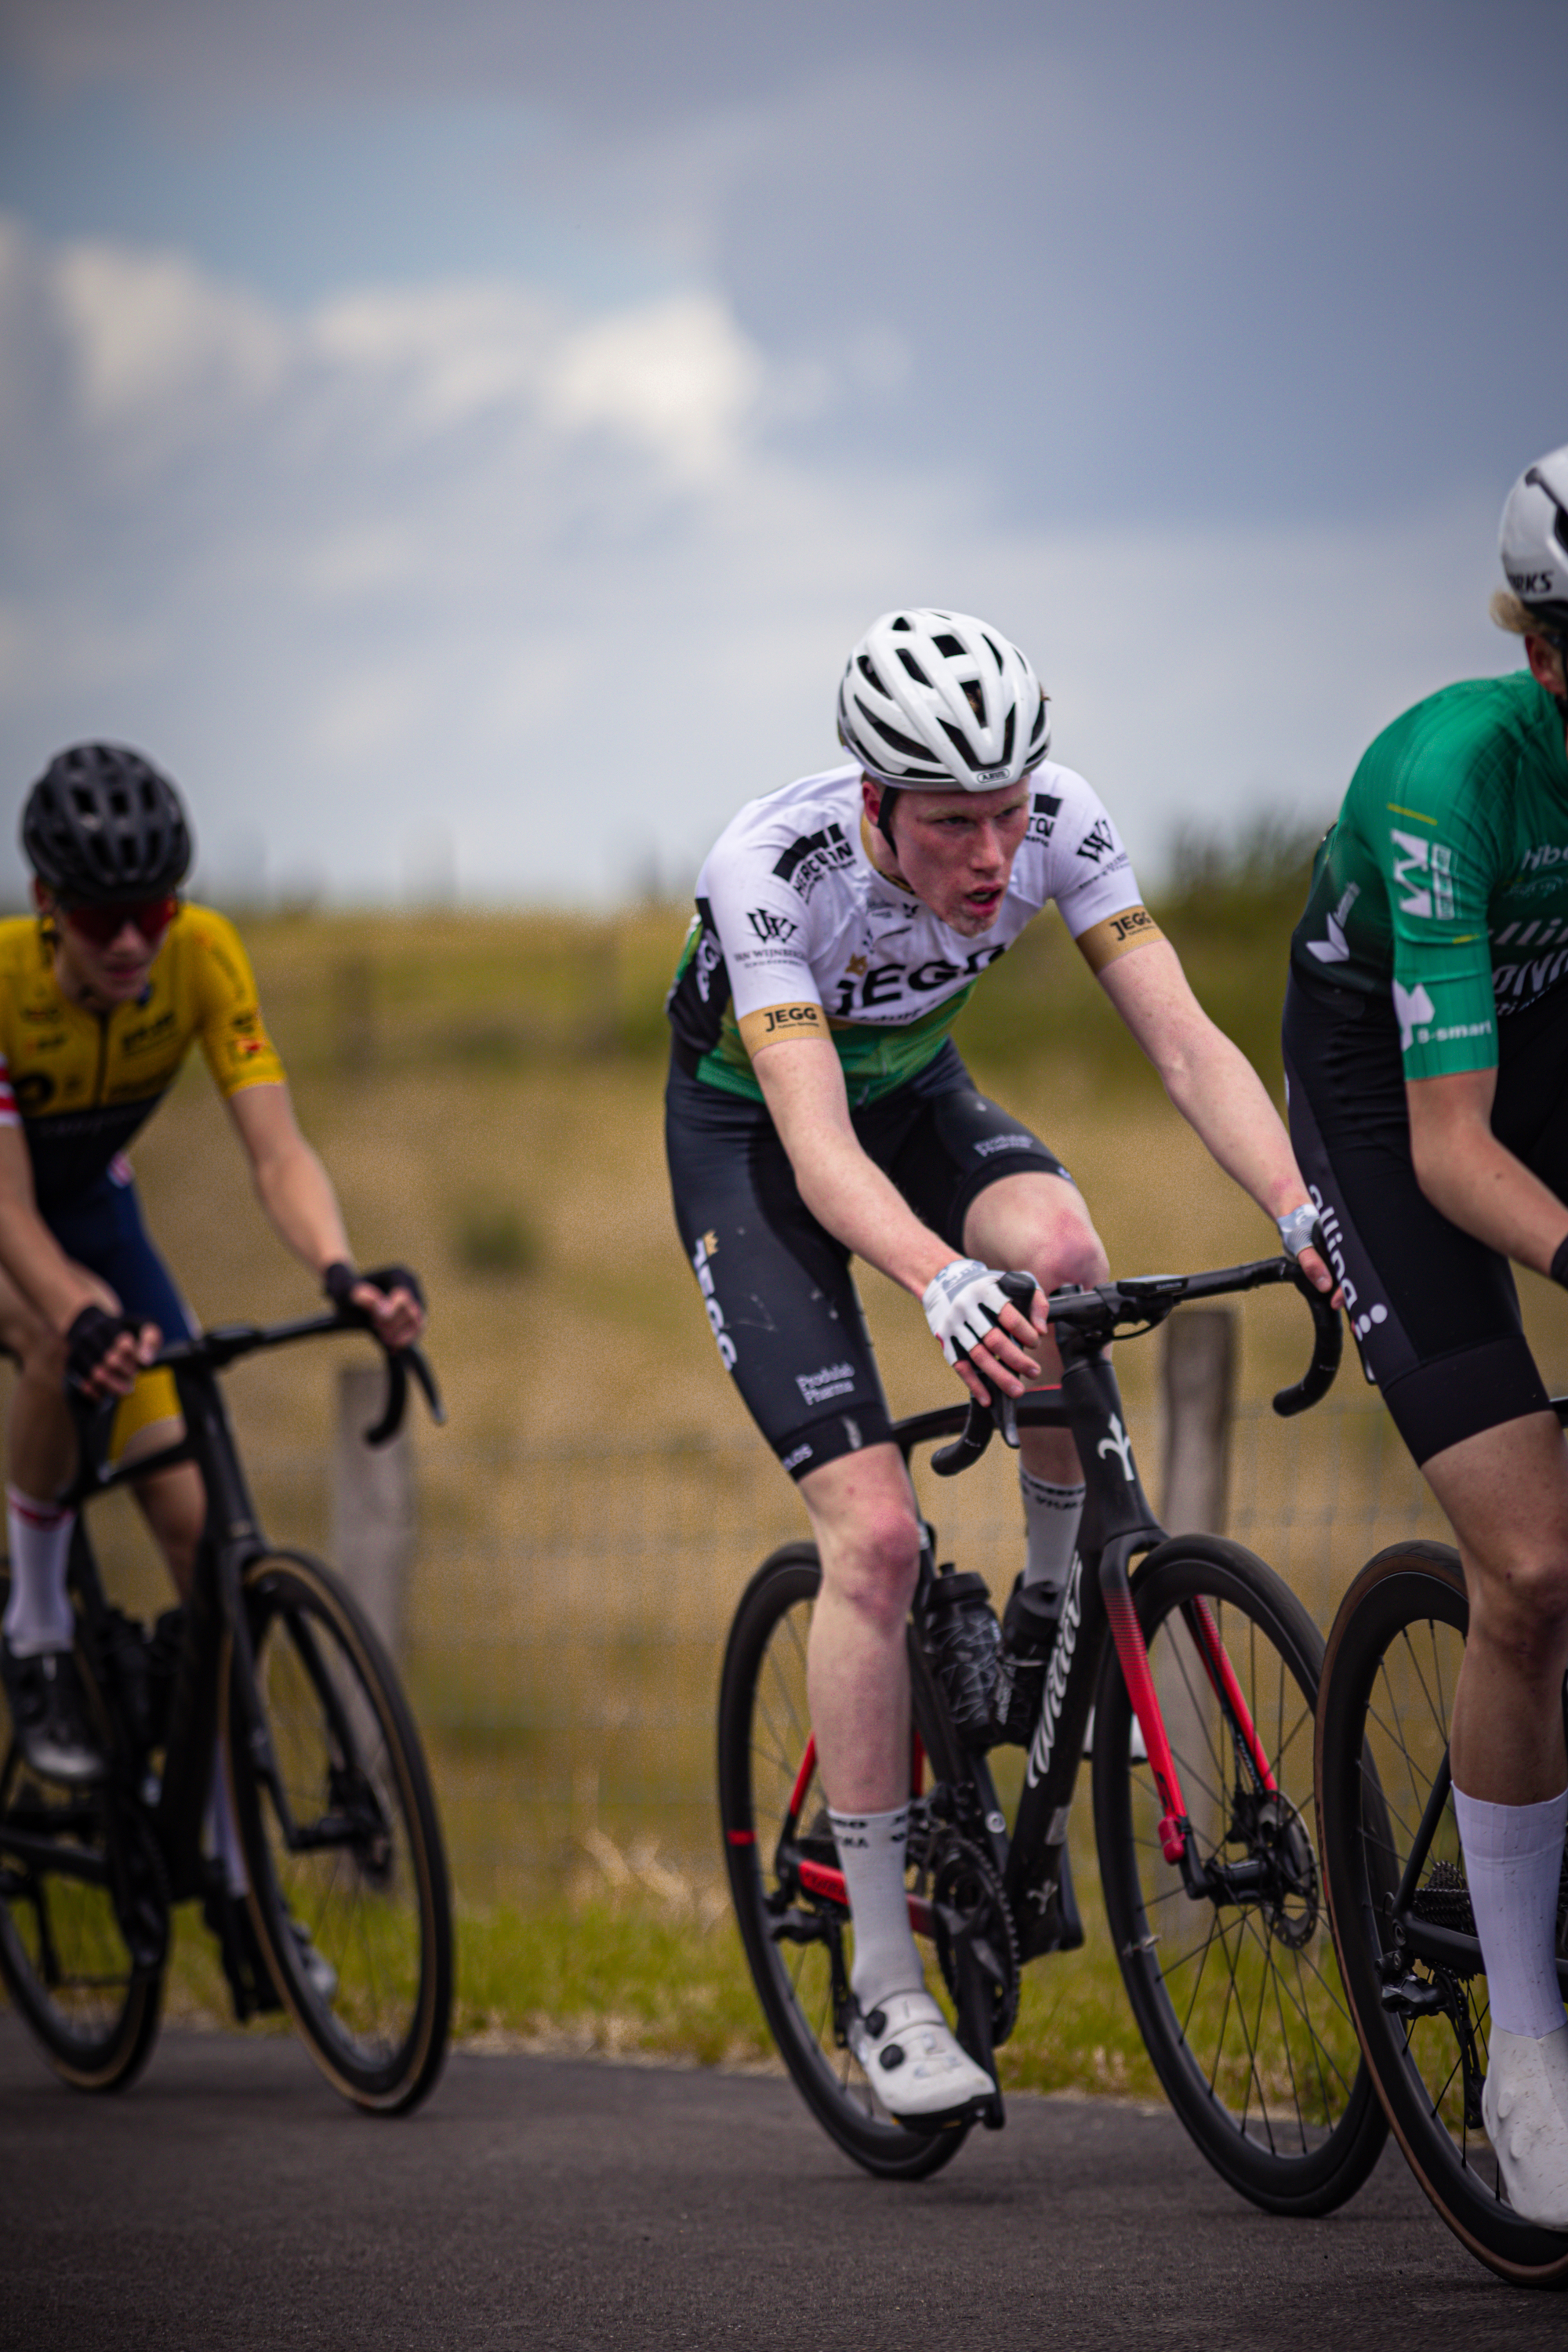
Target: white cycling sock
x,y
1513,1860
1051,1515
39,1613
221,1831
871,1854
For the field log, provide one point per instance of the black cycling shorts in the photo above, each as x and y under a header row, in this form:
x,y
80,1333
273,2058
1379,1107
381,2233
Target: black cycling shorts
x,y
777,1286
1434,1312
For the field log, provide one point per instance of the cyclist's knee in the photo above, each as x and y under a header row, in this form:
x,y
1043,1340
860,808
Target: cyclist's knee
x,y
874,1563
1521,1602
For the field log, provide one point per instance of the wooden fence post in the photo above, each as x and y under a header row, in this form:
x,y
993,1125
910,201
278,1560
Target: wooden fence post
x,y
372,1504
1197,1396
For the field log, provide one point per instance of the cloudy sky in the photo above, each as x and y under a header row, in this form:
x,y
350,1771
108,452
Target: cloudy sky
x,y
462,440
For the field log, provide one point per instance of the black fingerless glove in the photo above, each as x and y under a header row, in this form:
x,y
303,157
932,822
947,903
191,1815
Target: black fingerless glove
x,y
91,1335
338,1282
339,1279
387,1279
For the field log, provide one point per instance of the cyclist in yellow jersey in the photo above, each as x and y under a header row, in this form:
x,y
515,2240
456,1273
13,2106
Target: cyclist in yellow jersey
x,y
102,993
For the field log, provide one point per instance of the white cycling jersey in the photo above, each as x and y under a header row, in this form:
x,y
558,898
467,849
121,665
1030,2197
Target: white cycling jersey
x,y
798,932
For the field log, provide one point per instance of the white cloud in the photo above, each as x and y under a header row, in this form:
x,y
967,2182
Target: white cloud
x,y
461,557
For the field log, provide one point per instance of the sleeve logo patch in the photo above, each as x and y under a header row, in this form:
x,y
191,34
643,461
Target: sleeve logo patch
x,y
1432,894
769,926
1099,843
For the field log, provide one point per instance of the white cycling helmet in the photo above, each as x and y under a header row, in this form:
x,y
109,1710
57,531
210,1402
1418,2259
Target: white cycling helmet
x,y
932,699
1534,539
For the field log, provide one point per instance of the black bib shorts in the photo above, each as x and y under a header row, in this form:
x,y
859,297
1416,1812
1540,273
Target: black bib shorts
x,y
780,1297
1434,1312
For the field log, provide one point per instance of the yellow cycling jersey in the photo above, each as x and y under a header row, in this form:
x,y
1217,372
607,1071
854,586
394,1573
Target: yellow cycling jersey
x,y
80,1083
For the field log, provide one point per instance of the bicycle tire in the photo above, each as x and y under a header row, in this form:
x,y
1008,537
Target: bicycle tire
x,y
346,1843
1238,2000
63,1956
1383,1732
764,1726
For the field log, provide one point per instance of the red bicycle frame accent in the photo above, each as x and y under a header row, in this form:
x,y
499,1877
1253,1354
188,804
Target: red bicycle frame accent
x,y
1222,1674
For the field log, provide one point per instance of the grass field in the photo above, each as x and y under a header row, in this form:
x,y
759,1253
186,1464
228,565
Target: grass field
x,y
486,1090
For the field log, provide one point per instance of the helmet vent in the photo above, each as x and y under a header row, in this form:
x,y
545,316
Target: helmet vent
x,y
995,657
1007,739
905,624
974,698
867,673
890,736
913,666
959,745
952,648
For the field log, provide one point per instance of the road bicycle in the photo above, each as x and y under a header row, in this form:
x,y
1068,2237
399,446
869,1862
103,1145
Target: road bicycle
x,y
1397,1893
1200,1669
274,1665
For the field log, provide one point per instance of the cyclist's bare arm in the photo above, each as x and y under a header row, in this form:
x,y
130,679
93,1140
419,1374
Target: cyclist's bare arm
x,y
1474,1180
803,1084
54,1285
301,1205
1211,1082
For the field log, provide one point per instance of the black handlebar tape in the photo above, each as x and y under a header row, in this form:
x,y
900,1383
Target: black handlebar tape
x,y
1329,1341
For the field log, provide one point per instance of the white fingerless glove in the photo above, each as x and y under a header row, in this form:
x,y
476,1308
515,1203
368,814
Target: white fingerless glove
x,y
1296,1231
961,1303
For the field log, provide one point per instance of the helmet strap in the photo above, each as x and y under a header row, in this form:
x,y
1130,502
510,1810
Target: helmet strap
x,y
885,808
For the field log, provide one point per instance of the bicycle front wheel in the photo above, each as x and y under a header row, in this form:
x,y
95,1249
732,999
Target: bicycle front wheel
x,y
1235,1989
63,1953
348,1873
774,1818
1392,1662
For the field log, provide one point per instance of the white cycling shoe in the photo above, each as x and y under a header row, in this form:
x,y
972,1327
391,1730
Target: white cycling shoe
x,y
914,2063
1524,2105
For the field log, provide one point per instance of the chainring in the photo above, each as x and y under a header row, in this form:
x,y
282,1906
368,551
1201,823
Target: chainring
x,y
969,1905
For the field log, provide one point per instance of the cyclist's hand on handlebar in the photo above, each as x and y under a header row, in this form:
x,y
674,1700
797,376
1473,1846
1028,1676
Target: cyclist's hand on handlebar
x,y
1303,1238
104,1352
390,1295
971,1316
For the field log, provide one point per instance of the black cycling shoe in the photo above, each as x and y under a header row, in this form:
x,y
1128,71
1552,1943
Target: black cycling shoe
x,y
49,1714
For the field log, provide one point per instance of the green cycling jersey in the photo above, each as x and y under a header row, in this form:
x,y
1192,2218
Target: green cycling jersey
x,y
1445,879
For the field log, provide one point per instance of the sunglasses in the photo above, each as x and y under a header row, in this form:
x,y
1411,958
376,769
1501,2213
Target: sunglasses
x,y
103,925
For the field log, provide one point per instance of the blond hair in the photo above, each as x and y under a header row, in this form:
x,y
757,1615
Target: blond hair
x,y
1510,613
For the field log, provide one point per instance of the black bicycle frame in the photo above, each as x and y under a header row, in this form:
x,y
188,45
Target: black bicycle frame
x,y
232,1538
1117,1526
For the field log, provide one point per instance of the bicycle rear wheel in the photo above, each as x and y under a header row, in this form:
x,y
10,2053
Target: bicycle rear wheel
x,y
348,1873
774,1824
1236,1991
1392,1664
63,1953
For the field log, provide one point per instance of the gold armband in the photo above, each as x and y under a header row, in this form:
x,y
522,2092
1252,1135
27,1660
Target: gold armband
x,y
775,1022
1118,935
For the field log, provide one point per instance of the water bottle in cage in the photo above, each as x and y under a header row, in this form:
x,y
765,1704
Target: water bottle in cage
x,y
965,1638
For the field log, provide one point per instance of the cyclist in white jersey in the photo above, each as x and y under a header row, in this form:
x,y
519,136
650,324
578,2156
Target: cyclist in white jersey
x,y
817,1107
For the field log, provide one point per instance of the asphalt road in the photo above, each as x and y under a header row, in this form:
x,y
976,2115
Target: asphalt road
x,y
231,2200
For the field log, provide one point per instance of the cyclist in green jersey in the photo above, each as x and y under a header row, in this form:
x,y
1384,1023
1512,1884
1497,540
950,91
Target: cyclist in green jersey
x,y
1427,1054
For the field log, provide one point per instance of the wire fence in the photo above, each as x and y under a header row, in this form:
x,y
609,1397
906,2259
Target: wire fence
x,y
565,1617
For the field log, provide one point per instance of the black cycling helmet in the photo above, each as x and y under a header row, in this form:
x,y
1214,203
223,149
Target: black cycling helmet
x,y
103,826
